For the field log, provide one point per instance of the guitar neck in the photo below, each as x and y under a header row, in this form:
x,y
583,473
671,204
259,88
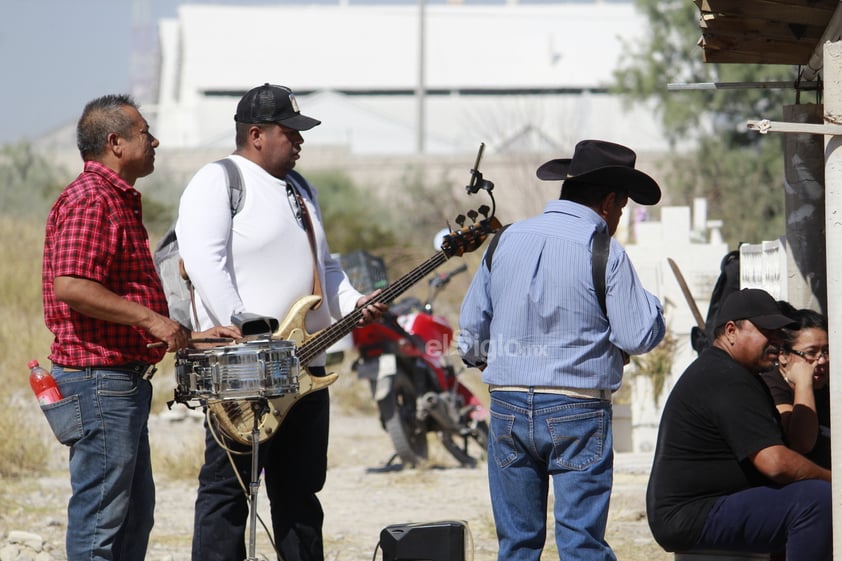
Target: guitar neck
x,y
330,335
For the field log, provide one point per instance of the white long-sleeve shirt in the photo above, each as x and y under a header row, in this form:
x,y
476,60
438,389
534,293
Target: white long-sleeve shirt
x,y
259,261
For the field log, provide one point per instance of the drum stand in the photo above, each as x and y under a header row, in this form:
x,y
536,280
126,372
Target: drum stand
x,y
259,407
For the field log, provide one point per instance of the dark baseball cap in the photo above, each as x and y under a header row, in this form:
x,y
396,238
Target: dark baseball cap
x,y
755,305
273,104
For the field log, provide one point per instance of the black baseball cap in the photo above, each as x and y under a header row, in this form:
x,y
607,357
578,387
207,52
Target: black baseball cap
x,y
755,305
273,104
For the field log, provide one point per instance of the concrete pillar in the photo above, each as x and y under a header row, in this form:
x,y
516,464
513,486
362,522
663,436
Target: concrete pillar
x,y
805,211
833,206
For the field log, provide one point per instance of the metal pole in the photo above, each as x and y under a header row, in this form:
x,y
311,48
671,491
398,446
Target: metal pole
x,y
710,86
420,93
833,219
258,408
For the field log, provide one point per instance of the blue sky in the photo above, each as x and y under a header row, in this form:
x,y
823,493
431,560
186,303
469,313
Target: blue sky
x,y
56,55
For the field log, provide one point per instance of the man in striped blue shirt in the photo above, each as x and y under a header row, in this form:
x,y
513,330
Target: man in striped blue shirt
x,y
552,353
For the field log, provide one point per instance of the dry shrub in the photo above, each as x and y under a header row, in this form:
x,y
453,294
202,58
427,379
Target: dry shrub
x,y
22,338
24,448
181,461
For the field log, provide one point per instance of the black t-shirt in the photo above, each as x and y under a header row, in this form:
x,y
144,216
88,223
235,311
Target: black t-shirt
x,y
783,393
716,417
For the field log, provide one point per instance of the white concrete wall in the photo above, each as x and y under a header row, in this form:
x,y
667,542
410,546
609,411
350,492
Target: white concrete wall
x,y
698,250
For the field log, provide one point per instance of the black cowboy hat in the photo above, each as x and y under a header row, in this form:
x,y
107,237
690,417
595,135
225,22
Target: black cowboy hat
x,y
603,163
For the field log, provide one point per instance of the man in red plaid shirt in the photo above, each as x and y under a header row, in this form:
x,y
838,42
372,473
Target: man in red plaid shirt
x,y
105,305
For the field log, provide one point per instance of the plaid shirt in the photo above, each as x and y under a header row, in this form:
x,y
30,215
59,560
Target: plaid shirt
x,y
95,231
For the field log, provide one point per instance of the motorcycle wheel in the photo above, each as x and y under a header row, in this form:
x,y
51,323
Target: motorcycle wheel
x,y
398,411
465,454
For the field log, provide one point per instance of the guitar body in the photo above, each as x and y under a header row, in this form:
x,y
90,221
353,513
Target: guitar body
x,y
236,417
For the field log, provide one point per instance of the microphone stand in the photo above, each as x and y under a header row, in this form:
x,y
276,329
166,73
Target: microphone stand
x,y
260,407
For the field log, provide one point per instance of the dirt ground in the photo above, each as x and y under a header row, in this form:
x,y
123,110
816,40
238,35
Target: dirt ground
x,y
362,497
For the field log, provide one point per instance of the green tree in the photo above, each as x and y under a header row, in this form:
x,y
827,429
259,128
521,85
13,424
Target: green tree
x,y
735,169
29,181
353,219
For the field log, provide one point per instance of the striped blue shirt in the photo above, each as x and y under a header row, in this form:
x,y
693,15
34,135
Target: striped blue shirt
x,y
535,319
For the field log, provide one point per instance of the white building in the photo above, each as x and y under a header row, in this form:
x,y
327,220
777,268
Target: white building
x,y
696,246
522,78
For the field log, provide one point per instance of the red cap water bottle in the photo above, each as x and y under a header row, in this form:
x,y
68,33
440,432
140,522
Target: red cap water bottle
x,y
43,384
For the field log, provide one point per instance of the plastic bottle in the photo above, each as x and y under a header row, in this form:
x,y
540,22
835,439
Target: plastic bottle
x,y
43,384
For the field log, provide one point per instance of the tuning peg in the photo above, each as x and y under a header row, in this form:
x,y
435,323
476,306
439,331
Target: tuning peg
x,y
472,214
460,220
483,210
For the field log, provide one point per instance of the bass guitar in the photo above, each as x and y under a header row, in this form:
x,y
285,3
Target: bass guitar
x,y
235,417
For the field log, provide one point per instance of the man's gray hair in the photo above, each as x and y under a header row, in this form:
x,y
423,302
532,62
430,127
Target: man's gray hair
x,y
101,117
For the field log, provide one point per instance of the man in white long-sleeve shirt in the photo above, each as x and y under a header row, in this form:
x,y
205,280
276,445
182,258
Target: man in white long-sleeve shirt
x,y
260,260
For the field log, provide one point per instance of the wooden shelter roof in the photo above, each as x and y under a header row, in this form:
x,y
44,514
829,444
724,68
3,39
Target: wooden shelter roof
x,y
766,31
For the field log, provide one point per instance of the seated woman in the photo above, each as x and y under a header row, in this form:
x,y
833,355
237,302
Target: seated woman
x,y
799,384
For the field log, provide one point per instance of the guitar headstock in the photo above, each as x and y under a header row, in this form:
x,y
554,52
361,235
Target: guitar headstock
x,y
468,238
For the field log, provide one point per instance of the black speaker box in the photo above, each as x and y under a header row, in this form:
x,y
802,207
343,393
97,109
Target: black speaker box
x,y
448,540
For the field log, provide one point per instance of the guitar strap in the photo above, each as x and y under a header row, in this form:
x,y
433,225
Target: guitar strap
x,y
307,221
599,264
599,260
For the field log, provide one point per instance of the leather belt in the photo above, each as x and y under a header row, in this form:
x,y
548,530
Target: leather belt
x,y
142,369
582,393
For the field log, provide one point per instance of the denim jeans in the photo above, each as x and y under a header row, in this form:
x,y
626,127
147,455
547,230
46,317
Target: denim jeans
x,y
294,462
537,436
795,517
103,418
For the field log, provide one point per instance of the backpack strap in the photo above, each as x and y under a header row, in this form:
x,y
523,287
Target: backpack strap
x,y
599,262
236,192
236,195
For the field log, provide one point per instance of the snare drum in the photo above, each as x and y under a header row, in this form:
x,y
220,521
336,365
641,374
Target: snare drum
x,y
250,370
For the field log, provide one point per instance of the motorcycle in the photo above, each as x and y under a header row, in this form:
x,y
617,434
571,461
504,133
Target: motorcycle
x,y
417,389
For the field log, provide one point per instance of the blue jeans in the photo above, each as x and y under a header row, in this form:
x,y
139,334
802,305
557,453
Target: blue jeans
x,y
294,462
795,517
103,419
537,436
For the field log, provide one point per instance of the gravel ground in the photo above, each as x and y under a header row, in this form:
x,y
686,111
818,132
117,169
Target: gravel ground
x,y
362,496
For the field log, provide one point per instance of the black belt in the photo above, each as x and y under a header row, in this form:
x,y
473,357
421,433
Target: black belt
x,y
142,369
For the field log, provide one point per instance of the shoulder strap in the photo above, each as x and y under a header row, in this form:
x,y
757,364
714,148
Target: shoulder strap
x,y
236,192
300,183
236,196
297,182
492,245
599,262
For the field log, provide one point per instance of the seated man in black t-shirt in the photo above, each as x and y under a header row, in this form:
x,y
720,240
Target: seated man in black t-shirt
x,y
722,477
